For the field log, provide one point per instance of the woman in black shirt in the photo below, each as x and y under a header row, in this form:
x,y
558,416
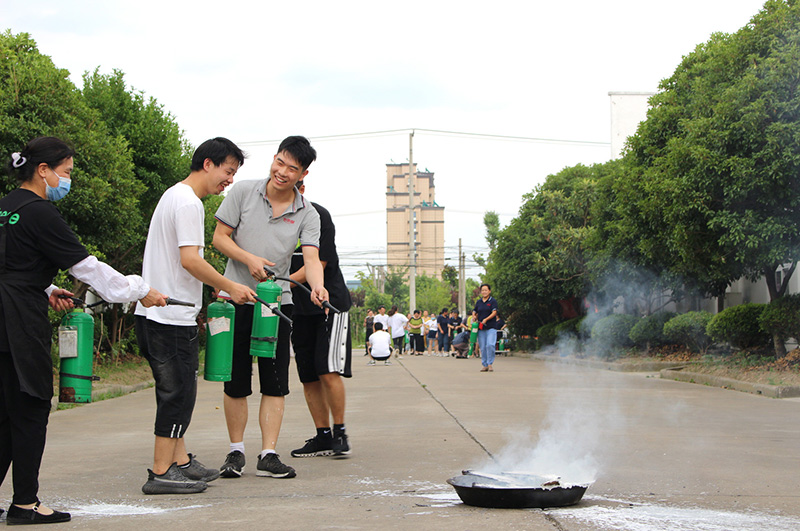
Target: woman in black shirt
x,y
35,242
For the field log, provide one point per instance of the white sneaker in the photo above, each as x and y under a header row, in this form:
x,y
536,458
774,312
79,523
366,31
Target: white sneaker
x,y
387,362
371,362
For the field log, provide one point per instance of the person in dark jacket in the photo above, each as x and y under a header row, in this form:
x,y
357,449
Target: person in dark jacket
x,y
35,242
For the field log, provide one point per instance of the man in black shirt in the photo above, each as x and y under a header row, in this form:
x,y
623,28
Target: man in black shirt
x,y
322,346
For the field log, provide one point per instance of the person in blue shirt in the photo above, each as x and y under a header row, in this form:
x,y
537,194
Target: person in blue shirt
x,y
486,312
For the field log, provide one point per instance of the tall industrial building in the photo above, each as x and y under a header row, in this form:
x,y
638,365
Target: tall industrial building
x,y
428,220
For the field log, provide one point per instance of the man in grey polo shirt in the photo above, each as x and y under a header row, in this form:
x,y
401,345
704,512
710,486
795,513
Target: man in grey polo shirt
x,y
259,224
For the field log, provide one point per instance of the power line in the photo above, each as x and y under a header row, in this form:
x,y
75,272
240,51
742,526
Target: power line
x,y
389,132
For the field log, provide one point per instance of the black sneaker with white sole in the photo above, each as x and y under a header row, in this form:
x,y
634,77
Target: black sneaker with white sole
x,y
316,446
341,448
270,466
233,465
198,471
172,482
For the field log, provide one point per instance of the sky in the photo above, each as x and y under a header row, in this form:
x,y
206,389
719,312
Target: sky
x,y
499,94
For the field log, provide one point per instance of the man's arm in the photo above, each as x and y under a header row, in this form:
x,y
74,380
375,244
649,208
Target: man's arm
x,y
224,242
314,274
205,273
299,277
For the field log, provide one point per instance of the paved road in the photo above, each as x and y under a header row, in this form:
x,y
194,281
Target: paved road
x,y
665,455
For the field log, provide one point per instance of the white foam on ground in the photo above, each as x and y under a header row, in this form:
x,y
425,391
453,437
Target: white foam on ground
x,y
121,509
665,518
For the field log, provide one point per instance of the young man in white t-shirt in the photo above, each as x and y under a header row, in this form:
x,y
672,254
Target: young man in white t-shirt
x,y
167,336
380,343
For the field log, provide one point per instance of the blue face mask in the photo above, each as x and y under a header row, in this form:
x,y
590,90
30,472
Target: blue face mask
x,y
54,194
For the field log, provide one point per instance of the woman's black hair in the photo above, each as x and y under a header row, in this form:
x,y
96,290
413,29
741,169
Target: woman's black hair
x,y
393,310
487,285
44,149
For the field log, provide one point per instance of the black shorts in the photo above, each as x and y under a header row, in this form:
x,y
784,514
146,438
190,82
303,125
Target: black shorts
x,y
172,352
322,345
273,373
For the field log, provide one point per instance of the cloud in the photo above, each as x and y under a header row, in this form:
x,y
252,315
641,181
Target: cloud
x,y
380,87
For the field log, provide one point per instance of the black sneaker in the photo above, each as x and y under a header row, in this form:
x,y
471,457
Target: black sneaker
x,y
20,516
341,446
233,465
270,466
316,446
198,472
172,482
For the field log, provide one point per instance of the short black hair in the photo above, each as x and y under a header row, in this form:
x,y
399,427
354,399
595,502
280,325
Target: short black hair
x,y
43,149
218,150
300,148
378,326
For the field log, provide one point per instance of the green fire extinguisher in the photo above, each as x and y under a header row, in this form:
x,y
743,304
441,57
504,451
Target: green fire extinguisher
x,y
473,337
76,350
219,344
264,336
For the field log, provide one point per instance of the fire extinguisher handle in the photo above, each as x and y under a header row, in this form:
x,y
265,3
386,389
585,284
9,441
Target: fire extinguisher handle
x,y
176,302
274,310
325,304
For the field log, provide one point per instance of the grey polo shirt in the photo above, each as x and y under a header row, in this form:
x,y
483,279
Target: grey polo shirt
x,y
248,212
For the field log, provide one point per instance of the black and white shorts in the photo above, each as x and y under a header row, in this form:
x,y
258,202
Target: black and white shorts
x,y
322,345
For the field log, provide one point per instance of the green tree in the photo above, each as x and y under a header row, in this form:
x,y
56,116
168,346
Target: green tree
x,y
432,294
160,153
450,276
719,159
540,257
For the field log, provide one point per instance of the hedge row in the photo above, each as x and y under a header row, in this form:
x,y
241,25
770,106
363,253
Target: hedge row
x,y
744,326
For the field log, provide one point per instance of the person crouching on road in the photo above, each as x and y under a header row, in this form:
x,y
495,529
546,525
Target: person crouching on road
x,y
380,345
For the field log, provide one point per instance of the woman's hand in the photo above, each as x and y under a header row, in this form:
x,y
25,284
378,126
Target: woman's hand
x,y
58,303
153,298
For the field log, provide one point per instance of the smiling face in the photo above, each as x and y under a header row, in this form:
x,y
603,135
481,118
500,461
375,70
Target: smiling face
x,y
285,172
220,177
485,292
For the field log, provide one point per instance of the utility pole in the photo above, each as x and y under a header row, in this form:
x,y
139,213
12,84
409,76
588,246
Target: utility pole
x,y
462,283
412,229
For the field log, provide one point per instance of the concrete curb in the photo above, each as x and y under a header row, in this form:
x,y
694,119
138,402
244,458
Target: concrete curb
x,y
772,391
619,366
100,390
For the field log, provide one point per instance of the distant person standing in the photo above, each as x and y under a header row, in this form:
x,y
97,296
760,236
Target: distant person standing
x,y
430,334
381,318
486,312
454,325
369,323
442,332
416,327
397,329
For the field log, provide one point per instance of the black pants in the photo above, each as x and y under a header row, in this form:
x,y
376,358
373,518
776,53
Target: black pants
x,y
417,343
23,429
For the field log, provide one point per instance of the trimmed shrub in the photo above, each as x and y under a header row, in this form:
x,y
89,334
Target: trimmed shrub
x,y
547,334
649,331
612,332
568,328
781,317
689,329
739,326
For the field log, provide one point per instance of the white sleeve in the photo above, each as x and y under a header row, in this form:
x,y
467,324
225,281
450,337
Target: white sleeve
x,y
109,283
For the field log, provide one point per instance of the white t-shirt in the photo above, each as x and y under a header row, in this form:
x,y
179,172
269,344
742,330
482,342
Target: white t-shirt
x,y
396,323
381,344
383,319
430,324
177,222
